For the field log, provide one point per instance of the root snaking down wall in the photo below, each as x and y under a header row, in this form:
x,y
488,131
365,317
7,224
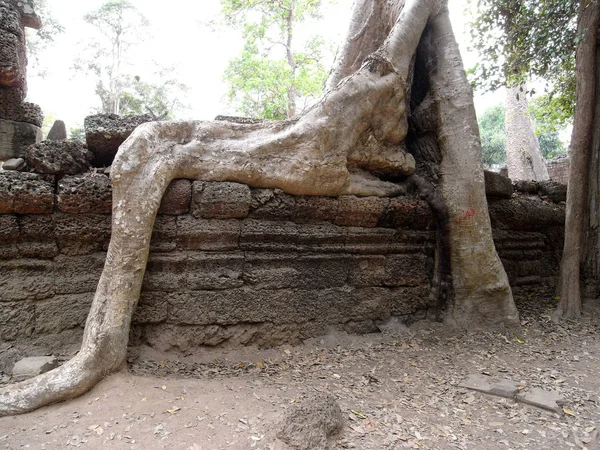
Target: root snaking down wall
x,y
231,265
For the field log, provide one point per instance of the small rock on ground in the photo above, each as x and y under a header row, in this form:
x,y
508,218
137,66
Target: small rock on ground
x,y
32,366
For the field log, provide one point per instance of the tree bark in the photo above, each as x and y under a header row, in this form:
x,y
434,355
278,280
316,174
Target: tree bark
x,y
523,156
580,154
340,146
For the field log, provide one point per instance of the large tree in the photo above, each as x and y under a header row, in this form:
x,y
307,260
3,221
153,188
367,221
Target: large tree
x,y
276,74
404,114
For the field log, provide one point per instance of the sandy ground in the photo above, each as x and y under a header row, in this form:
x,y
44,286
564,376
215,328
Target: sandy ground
x,y
397,389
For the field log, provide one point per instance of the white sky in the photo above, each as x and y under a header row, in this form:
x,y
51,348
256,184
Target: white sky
x,y
180,37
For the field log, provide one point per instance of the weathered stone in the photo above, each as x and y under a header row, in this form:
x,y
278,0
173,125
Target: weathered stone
x,y
26,9
25,193
104,133
268,236
199,234
26,279
406,212
307,425
548,400
81,234
359,211
9,228
490,385
90,193
58,132
213,200
14,164
526,186
77,274
59,157
195,271
311,208
164,235
16,137
368,240
525,213
177,198
61,313
557,192
321,237
36,239
32,366
151,308
16,319
272,204
13,60
391,270
408,300
497,185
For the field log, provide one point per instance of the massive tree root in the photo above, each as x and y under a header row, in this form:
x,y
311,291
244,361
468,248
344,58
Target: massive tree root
x,y
341,146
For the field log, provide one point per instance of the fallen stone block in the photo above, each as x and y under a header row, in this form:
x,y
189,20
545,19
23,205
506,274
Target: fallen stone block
x,y
32,366
309,424
14,164
59,157
492,386
548,400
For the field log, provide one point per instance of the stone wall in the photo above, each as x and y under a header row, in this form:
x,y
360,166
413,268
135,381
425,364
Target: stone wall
x,y
558,169
231,265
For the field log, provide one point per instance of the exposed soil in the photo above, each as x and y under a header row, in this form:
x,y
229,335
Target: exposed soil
x,y
397,389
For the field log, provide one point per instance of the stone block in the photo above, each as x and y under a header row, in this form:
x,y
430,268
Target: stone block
x,y
194,271
62,312
90,193
310,208
58,132
360,211
17,164
525,213
33,366
497,185
368,240
25,193
272,204
321,237
26,279
489,385
556,192
540,398
12,58
104,133
411,241
177,198
59,157
36,238
151,308
9,229
291,270
16,320
77,274
213,235
164,234
81,234
408,300
260,235
214,200
408,213
16,137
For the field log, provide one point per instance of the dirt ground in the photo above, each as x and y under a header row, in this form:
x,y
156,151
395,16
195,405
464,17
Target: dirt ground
x,y
397,389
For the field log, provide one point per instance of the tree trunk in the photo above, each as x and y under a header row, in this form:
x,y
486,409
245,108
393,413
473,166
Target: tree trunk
x,y
580,154
523,156
340,146
292,94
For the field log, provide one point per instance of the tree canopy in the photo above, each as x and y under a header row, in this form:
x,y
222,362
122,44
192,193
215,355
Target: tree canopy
x,y
275,76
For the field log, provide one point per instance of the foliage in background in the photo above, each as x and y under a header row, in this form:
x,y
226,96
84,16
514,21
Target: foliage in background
x,y
493,136
39,40
110,56
518,40
273,78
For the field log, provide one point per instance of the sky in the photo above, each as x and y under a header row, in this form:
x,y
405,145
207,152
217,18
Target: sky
x,y
180,36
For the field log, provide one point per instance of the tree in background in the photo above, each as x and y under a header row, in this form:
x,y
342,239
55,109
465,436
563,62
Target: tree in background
x,y
120,28
39,40
493,136
273,78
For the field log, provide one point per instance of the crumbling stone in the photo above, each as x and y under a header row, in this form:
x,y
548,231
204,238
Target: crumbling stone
x,y
89,193
26,193
59,157
308,424
548,400
177,198
497,185
58,132
555,191
32,366
212,200
104,133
